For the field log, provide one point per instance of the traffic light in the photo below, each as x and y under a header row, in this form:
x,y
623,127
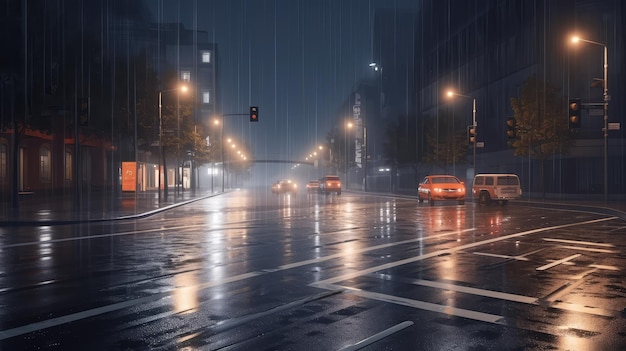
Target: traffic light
x,y
511,128
82,107
574,119
254,113
471,134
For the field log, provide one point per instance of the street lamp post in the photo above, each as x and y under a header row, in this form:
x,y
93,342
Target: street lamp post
x,y
474,124
330,157
606,97
222,147
365,158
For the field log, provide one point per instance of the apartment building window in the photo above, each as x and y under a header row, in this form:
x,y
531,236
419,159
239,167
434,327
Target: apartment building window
x,y
185,76
44,164
3,162
68,165
206,97
206,57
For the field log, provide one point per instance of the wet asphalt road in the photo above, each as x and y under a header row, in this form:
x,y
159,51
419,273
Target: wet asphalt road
x,y
250,270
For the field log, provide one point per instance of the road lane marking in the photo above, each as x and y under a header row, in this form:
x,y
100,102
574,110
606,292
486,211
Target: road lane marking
x,y
521,257
518,258
556,263
610,268
588,243
476,291
422,305
378,336
53,322
590,249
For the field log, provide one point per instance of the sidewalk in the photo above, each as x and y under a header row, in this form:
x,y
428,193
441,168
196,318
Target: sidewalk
x,y
98,206
95,206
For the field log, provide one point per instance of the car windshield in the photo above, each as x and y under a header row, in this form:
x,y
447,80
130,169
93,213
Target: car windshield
x,y
441,180
332,178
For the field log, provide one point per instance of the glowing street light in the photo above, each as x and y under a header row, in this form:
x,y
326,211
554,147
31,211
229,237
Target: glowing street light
x,y
575,40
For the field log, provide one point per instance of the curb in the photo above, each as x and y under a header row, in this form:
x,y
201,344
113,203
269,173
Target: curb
x,y
21,223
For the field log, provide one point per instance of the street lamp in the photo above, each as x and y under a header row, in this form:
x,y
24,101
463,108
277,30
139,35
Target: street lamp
x,y
474,124
183,88
576,39
330,158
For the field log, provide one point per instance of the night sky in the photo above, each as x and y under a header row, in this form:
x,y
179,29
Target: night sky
x,y
298,60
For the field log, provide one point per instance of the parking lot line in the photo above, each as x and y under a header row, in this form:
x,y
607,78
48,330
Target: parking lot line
x,y
556,263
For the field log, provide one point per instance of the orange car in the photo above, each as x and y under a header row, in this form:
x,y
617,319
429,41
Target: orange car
x,y
330,184
441,187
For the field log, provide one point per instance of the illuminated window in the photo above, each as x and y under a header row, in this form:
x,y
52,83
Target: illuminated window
x,y
68,165
206,97
206,57
44,164
185,76
3,162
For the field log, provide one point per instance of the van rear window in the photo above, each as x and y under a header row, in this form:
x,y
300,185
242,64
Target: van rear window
x,y
508,180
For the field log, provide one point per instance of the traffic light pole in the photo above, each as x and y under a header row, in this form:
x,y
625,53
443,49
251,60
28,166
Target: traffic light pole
x,y
606,111
253,110
475,131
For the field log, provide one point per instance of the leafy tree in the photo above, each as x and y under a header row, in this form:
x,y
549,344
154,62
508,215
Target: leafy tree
x,y
542,129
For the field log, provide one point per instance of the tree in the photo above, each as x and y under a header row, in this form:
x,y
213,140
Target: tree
x,y
541,120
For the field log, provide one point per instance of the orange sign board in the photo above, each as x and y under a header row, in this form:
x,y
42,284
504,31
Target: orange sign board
x,y
129,176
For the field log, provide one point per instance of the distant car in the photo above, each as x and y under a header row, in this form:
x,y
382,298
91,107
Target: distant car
x,y
330,184
441,187
313,186
284,186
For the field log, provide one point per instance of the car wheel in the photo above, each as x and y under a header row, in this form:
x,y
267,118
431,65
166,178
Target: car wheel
x,y
419,199
339,193
430,200
461,202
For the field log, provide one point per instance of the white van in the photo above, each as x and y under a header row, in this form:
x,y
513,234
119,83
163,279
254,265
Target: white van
x,y
496,187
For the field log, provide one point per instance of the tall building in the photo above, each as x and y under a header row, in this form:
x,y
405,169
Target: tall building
x,y
194,58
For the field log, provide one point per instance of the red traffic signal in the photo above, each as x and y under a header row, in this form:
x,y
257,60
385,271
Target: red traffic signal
x,y
254,113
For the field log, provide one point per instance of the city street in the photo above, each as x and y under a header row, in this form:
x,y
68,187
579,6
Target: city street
x,y
252,270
